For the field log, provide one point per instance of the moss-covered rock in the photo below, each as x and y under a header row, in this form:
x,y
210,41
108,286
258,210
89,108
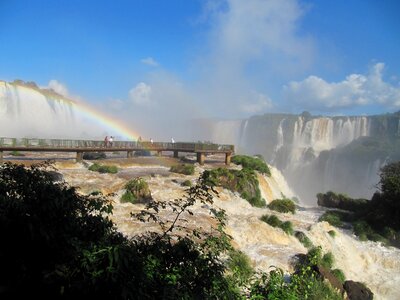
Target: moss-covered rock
x,y
137,191
252,163
283,205
243,181
340,201
274,221
186,169
103,168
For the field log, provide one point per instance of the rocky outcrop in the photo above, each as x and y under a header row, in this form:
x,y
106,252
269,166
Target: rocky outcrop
x,y
340,201
94,155
357,291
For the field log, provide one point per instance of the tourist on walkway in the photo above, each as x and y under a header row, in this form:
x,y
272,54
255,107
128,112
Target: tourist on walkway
x,y
106,141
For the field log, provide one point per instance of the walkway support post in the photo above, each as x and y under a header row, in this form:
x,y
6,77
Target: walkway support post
x,y
129,154
1,157
79,156
176,154
200,158
159,153
228,158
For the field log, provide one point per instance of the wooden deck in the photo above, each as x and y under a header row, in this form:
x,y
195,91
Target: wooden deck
x,y
82,146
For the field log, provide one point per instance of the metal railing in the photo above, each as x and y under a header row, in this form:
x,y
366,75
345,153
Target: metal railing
x,y
74,144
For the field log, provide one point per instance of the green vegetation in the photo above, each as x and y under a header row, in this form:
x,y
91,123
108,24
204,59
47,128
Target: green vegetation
x,y
243,181
303,238
16,153
340,201
67,247
186,169
274,221
137,191
327,260
378,219
332,233
283,205
187,183
304,283
103,168
240,268
335,218
252,163
339,275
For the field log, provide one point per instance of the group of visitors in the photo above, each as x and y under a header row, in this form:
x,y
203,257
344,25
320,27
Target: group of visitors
x,y
108,141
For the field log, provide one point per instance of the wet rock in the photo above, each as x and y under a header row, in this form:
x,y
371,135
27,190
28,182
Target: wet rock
x,y
357,291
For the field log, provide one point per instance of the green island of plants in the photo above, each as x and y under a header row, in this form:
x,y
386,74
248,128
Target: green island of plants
x,y
103,168
243,181
137,191
378,219
186,169
68,247
283,206
274,221
253,163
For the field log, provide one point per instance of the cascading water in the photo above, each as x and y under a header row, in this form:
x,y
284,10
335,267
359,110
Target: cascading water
x,y
317,154
28,111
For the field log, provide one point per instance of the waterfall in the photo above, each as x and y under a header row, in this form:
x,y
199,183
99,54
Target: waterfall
x,y
28,111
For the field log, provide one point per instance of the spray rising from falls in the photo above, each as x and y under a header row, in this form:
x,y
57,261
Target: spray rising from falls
x,y
28,111
317,154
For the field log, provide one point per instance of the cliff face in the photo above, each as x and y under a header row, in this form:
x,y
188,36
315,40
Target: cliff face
x,y
317,154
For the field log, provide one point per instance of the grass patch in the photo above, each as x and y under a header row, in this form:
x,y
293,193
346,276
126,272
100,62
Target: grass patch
x,y
128,197
303,238
187,183
274,221
332,233
283,206
103,168
339,275
186,169
243,181
252,163
16,153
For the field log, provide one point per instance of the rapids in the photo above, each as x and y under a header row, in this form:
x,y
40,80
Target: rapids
x,y
369,262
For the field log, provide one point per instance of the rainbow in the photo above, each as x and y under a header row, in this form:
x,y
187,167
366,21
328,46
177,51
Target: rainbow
x,y
116,128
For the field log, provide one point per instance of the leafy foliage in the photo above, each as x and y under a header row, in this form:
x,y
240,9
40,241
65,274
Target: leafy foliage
x,y
303,238
186,169
335,218
274,221
103,168
242,181
283,205
332,233
252,163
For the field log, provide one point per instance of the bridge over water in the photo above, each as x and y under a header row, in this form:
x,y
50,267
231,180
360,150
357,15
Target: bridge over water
x,y
82,146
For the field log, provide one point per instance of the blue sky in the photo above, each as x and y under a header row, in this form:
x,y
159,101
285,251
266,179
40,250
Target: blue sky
x,y
194,59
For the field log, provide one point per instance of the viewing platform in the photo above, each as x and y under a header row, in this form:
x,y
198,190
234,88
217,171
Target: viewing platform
x,y
82,146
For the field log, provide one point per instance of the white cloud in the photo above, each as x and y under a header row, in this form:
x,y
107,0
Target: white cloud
x,y
58,87
355,90
260,103
149,61
141,94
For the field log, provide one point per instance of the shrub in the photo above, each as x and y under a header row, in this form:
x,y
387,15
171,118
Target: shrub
x,y
16,153
240,267
327,260
187,183
186,169
103,168
137,191
283,205
335,218
243,181
128,196
332,233
274,221
303,238
252,163
339,275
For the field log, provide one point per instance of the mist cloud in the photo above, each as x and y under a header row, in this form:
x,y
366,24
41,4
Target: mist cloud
x,y
354,90
58,87
149,61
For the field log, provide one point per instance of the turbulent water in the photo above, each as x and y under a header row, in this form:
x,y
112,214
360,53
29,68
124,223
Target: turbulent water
x,y
317,154
377,266
28,111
